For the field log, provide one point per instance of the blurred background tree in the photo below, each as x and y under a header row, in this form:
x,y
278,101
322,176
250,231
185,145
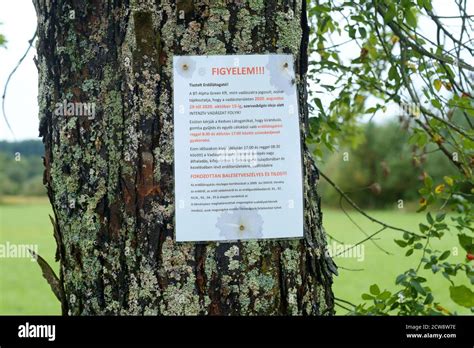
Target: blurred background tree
x,y
22,168
383,169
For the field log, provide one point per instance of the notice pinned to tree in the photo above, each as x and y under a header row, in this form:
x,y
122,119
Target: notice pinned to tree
x,y
238,172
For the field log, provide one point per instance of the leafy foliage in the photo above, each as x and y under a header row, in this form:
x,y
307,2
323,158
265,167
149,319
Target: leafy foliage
x,y
376,57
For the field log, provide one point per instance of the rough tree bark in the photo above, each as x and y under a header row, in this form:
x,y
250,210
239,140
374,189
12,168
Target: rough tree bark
x,y
110,178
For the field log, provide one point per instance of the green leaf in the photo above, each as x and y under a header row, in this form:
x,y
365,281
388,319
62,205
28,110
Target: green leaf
x,y
462,295
428,181
429,298
391,12
401,243
410,17
352,32
423,191
393,73
437,84
428,5
400,278
319,104
367,297
436,103
422,140
423,227
429,218
440,216
444,255
374,289
384,295
418,287
467,242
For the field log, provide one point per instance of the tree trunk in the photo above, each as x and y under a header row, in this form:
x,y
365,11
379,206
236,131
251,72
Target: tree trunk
x,y
110,177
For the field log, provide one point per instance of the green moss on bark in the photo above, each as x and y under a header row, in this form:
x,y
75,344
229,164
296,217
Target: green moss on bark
x,y
110,179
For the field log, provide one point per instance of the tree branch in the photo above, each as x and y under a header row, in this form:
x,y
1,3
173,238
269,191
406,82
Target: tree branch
x,y
30,44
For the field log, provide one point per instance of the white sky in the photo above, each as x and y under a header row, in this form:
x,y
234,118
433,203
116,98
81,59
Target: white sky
x,y
18,18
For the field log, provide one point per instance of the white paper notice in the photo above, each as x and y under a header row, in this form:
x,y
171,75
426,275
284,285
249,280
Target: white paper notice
x,y
238,172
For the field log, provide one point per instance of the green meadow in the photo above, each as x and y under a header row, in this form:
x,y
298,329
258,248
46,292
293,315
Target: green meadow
x,y
22,287
24,291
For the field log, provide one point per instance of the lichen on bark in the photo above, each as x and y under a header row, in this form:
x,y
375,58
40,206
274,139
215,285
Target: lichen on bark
x,y
110,178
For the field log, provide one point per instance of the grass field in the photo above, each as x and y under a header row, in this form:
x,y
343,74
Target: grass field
x,y
24,291
22,287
